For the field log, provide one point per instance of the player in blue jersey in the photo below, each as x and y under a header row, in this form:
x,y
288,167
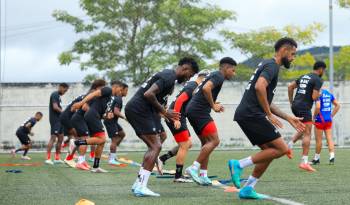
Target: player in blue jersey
x,y
323,116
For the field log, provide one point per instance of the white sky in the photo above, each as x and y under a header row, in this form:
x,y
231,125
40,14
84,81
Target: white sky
x,y
34,39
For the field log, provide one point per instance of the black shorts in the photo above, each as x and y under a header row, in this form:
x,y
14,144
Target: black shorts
x,y
113,128
93,121
23,137
56,128
258,130
198,121
304,113
147,123
80,125
65,119
182,128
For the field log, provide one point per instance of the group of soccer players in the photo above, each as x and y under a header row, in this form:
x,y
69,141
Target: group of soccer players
x,y
85,117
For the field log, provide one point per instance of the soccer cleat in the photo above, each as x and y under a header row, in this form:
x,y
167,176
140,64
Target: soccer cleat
x,y
49,161
306,167
64,145
205,181
82,166
332,161
58,161
248,192
135,185
25,158
315,161
235,172
289,153
114,162
183,179
86,164
143,191
98,170
194,175
159,166
70,163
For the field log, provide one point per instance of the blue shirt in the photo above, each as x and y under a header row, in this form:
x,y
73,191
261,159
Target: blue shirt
x,y
326,99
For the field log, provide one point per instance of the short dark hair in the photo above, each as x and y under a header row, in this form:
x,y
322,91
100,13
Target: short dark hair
x,y
125,85
39,113
64,85
320,64
117,83
285,41
190,61
227,60
97,83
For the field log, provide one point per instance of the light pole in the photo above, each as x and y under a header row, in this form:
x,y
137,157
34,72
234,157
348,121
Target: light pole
x,y
331,64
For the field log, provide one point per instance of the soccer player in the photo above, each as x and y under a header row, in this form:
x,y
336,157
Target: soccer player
x,y
308,90
323,123
114,129
257,117
198,113
22,133
99,108
55,110
179,127
144,111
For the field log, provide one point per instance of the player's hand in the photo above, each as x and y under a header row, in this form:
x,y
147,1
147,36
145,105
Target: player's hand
x,y
297,123
109,115
275,121
172,115
177,124
76,106
217,107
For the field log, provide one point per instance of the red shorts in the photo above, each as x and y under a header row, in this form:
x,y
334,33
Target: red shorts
x,y
323,125
182,136
209,129
99,134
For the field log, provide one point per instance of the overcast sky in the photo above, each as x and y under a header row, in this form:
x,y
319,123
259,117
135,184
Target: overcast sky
x,y
34,39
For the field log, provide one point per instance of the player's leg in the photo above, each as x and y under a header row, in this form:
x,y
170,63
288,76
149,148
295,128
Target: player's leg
x,y
49,148
92,152
318,138
60,137
184,142
330,143
113,151
170,154
118,139
306,147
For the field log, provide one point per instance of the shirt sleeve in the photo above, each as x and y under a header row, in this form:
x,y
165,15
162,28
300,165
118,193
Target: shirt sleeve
x,y
118,103
55,98
318,84
180,101
332,98
106,92
269,72
217,80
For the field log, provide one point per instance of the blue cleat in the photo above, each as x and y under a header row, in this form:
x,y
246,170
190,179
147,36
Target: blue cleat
x,y
205,181
248,192
194,175
235,172
142,191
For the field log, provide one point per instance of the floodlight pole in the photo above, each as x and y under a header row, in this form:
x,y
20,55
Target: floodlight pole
x,y
331,63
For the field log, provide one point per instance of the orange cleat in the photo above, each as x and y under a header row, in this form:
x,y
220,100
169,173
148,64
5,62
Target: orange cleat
x,y
306,167
81,166
289,153
86,165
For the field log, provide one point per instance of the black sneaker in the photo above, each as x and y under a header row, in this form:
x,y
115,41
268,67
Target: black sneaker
x,y
331,161
315,162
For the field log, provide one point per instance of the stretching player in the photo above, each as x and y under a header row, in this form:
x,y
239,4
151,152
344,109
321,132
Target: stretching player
x,y
308,90
179,128
114,129
257,117
55,110
198,113
144,112
22,133
323,116
99,108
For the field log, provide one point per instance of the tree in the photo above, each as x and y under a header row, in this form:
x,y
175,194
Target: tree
x,y
131,39
344,3
341,64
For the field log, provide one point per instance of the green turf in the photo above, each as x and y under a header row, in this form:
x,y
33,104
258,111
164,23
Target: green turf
x,y
58,184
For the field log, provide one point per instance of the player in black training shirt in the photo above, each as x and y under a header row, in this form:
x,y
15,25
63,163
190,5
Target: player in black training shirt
x,y
144,111
308,90
22,133
114,129
198,114
179,127
257,117
100,102
55,110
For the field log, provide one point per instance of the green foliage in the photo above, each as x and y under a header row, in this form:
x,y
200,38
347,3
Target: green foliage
x,y
134,38
341,64
303,61
344,3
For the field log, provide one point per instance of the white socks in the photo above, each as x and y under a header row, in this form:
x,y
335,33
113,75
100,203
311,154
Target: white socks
x,y
81,159
317,156
195,165
331,155
143,177
203,173
251,181
246,162
112,156
305,159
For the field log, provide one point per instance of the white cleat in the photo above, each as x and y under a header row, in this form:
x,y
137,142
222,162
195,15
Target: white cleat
x,y
114,162
25,158
70,163
98,170
49,161
58,161
13,153
135,185
183,180
143,191
71,146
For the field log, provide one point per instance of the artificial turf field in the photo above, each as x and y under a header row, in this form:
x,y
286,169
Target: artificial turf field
x,y
60,185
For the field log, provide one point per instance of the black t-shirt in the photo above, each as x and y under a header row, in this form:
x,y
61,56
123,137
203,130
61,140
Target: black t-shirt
x,y
102,103
188,88
67,110
198,103
53,115
115,102
306,84
249,106
23,127
165,80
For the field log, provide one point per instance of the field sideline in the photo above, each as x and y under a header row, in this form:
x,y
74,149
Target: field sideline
x,y
60,185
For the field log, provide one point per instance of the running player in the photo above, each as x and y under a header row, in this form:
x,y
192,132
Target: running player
x,y
144,112
114,129
179,128
323,123
257,117
99,108
198,113
55,110
22,133
308,90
